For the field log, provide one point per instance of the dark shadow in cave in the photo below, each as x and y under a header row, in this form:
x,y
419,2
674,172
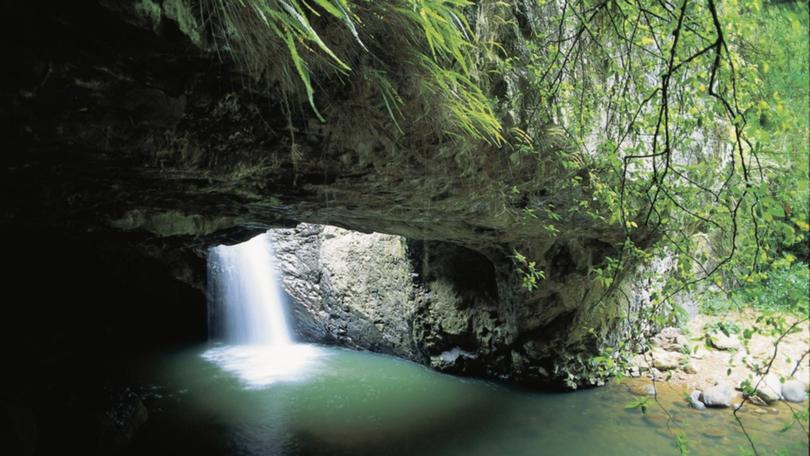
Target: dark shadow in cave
x,y
470,272
80,312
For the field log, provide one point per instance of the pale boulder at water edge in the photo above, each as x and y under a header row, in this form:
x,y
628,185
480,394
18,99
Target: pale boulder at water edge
x,y
794,391
717,396
769,388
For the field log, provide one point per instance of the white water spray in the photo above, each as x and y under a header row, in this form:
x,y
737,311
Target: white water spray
x,y
247,311
245,294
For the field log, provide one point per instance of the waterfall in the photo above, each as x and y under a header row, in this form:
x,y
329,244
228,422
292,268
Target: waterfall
x,y
246,312
246,304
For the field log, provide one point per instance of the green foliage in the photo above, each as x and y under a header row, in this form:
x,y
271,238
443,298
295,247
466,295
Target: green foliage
x,y
777,51
450,65
680,444
726,327
714,80
669,120
656,119
254,29
785,289
469,108
612,363
266,36
640,402
446,30
389,94
782,289
747,388
717,304
605,275
527,269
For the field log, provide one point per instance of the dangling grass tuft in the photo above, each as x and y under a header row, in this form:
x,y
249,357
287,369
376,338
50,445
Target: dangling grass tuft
x,y
393,101
445,28
253,29
469,107
276,36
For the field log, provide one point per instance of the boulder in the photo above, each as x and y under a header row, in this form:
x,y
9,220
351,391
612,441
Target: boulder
x,y
769,388
656,374
640,362
717,396
451,358
665,360
353,289
642,389
794,391
670,339
694,400
721,341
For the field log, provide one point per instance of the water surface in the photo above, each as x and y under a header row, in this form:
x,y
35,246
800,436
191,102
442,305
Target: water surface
x,y
332,401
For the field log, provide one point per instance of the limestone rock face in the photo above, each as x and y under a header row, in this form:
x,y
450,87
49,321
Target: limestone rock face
x,y
431,302
349,288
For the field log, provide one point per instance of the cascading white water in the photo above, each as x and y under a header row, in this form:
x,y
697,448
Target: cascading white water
x,y
246,310
245,294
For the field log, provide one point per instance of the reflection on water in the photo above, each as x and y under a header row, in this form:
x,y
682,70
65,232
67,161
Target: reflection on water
x,y
341,402
261,365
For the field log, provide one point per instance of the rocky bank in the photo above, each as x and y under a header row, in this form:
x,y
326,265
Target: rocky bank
x,y
703,358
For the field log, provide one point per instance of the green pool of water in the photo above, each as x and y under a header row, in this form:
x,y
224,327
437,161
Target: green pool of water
x,y
342,402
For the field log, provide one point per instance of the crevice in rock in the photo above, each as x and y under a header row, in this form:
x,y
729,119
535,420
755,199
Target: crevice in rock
x,y
469,272
560,261
599,251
